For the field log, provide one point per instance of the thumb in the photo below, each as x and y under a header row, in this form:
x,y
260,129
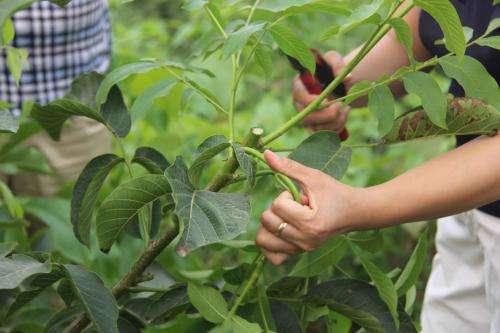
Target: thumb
x,y
288,167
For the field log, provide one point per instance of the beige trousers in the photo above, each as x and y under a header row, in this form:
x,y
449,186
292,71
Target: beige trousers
x,y
82,139
463,292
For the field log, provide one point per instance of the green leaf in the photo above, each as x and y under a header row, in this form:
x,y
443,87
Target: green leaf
x,y
381,103
39,282
17,59
293,46
209,302
53,115
17,268
465,116
62,319
151,159
414,267
358,301
404,34
13,206
84,88
292,7
264,59
208,149
124,203
121,73
191,5
323,151
99,303
359,89
85,193
285,318
115,113
382,282
494,25
237,40
207,217
493,42
246,163
8,32
362,14
447,17
433,100
473,77
316,262
145,101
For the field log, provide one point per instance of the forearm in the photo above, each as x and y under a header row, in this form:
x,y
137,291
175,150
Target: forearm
x,y
465,178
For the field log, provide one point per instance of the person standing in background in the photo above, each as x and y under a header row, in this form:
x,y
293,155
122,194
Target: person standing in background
x,y
62,44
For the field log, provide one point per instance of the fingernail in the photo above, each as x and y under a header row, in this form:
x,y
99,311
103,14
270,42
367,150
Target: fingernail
x,y
272,154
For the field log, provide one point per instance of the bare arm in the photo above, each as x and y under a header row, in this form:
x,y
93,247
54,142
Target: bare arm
x,y
465,178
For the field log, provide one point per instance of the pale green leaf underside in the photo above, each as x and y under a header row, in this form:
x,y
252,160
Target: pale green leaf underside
x,y
17,268
209,302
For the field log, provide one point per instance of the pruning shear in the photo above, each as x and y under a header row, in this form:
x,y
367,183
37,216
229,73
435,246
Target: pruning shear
x,y
317,82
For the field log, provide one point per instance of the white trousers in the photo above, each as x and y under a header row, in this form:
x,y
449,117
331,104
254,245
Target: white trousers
x,y
463,292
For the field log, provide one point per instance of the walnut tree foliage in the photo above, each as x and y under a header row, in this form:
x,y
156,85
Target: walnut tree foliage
x,y
170,203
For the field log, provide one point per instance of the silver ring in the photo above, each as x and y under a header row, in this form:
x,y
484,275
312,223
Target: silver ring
x,y
281,228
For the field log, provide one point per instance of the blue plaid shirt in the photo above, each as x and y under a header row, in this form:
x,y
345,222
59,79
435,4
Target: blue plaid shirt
x,y
62,44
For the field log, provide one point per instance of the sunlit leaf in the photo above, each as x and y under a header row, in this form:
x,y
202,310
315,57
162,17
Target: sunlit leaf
x,y
293,46
17,59
404,34
238,39
433,100
382,104
493,42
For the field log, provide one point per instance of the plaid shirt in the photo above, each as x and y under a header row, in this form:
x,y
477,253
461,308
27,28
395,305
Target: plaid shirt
x,y
62,44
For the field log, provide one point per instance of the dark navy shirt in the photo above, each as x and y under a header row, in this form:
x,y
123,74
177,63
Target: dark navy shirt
x,y
475,14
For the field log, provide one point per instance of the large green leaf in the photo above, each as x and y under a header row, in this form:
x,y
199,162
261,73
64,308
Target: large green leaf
x,y
414,267
404,34
99,303
473,77
293,46
433,100
316,262
207,150
151,159
323,151
85,193
447,17
37,284
207,217
17,268
358,301
122,206
84,87
381,103
209,302
465,116
385,286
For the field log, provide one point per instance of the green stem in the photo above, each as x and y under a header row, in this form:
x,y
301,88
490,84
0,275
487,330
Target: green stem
x,y
303,306
373,40
287,182
249,284
215,21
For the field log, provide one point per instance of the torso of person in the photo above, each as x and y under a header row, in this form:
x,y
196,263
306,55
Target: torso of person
x,y
475,14
62,43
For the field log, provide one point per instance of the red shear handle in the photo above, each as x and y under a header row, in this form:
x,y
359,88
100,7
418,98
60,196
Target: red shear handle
x,y
313,86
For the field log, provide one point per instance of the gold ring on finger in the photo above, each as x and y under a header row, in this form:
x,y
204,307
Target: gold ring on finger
x,y
282,227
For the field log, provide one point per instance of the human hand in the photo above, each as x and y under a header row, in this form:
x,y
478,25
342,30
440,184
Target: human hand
x,y
332,117
327,209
